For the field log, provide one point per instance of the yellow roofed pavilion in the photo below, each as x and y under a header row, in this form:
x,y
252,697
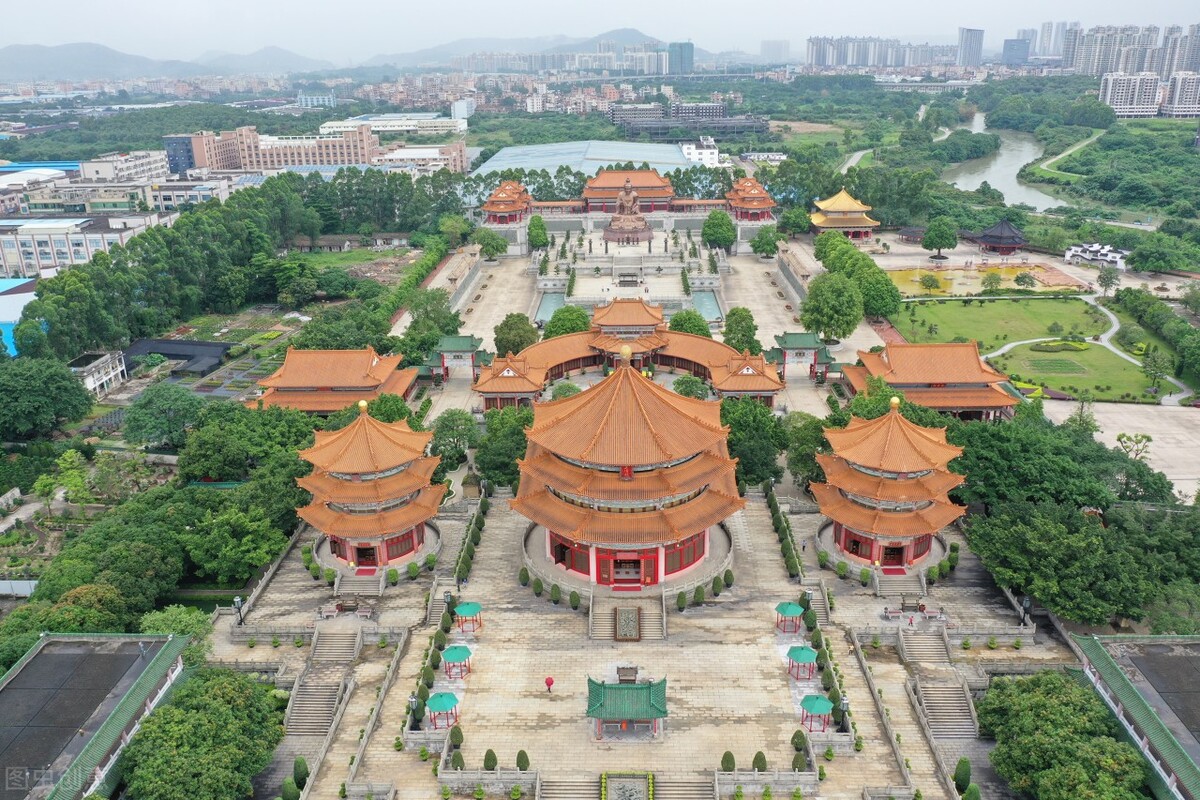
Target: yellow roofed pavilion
x,y
844,213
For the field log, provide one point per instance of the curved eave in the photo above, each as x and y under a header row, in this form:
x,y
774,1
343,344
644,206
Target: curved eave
x,y
927,487
930,519
370,526
714,469
325,487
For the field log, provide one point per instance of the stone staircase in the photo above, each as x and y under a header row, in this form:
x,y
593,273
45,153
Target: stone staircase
x,y
313,707
820,603
948,710
585,789
602,624
683,790
897,585
924,647
335,646
365,585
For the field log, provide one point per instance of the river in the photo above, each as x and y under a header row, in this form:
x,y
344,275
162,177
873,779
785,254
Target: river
x,y
1001,167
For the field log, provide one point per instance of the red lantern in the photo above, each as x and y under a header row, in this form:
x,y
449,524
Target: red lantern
x,y
627,473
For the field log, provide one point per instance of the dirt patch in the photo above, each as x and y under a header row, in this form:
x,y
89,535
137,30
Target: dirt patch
x,y
798,126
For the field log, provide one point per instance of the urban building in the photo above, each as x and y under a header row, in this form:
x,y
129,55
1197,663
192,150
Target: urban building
x,y
697,110
775,51
1182,96
681,57
870,51
138,165
202,150
765,157
15,294
1048,44
587,156
462,109
1015,52
1112,48
329,381
33,247
703,152
1131,95
1030,35
316,100
170,195
411,123
843,213
970,47
1096,254
425,160
99,372
372,496
620,113
261,152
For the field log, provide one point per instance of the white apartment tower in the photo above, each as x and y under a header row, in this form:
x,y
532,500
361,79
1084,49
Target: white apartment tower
x,y
1131,95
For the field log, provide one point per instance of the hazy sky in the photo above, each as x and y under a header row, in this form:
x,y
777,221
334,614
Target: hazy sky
x,y
355,31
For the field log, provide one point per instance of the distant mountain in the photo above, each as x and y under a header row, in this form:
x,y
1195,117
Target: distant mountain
x,y
269,60
83,61
442,53
621,37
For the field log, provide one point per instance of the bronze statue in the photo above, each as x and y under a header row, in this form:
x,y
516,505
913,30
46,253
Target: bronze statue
x,y
627,225
627,201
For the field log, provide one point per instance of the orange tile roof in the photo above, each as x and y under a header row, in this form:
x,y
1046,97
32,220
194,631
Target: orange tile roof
x,y
511,375
843,202
743,372
822,220
892,444
509,196
749,193
316,369
930,519
366,446
626,313
627,419
856,376
699,349
935,485
642,344
954,398
901,363
328,401
396,520
646,182
326,488
710,468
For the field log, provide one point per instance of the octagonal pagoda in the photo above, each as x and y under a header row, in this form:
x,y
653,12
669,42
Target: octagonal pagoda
x,y
886,489
372,497
626,480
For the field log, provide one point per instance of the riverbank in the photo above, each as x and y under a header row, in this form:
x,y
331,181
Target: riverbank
x,y
1001,169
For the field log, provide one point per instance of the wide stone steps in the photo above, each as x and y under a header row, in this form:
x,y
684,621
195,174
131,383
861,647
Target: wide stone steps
x,y
588,789
897,585
924,647
948,711
313,707
437,607
820,604
652,620
341,648
683,790
603,621
366,585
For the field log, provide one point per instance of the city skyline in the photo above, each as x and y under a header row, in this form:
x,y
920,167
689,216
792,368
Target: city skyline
x,y
139,30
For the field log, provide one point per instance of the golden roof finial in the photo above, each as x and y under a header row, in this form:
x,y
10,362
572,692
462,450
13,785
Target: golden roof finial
x,y
626,354
362,406
895,404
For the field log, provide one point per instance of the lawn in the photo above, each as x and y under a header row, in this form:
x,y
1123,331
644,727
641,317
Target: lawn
x,y
359,255
1074,372
996,322
1152,338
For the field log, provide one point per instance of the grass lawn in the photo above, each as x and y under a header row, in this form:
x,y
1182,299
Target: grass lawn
x,y
1073,372
995,323
98,411
359,255
1153,338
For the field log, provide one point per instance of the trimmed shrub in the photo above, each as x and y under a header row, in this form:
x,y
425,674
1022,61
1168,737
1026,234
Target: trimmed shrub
x,y
414,571
952,559
555,594
489,759
760,762
822,559
728,764
537,587
439,640
931,575
457,761
799,762
300,772
393,577
435,658
799,741
330,575
456,736
573,599
447,622
962,774
817,639
698,596
843,569
717,585
522,760
810,620
972,792
864,576
427,676
523,576
681,601
829,754
315,571
728,578
944,568
289,790
793,566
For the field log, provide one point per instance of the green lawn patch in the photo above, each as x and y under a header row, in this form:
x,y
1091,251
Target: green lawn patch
x,y
1057,366
1097,370
1151,338
997,322
359,255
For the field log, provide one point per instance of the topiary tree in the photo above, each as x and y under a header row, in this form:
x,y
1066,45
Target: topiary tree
x,y
962,774
681,601
799,762
439,640
698,596
555,594
300,772
289,790
457,761
727,762
717,585
456,736
972,792
799,741
728,578
489,759
446,622
537,587
523,576
574,600
810,619
522,760
435,658
760,762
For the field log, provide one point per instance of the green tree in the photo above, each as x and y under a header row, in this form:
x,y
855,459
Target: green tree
x,y
793,221
718,231
741,331
992,280
942,234
503,444
962,774
766,241
73,477
491,244
756,438
162,414
833,308
514,333
568,319
181,621
538,240
1156,365
454,228
1025,280
880,296
930,282
689,321
1109,278
39,395
564,389
690,386
454,433
805,436
232,543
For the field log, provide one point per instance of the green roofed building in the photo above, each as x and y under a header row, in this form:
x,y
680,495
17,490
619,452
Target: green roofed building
x,y
627,708
453,352
799,354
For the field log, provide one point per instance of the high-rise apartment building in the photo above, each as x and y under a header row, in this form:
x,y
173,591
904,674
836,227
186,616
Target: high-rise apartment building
x,y
775,51
1131,95
681,57
1015,53
1110,48
1183,95
970,47
1030,35
1046,42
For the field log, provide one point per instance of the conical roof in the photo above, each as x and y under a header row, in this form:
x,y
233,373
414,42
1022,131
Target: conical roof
x,y
366,446
1003,233
892,444
843,202
627,420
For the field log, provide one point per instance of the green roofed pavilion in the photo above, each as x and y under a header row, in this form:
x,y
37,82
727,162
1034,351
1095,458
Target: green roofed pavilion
x,y
443,710
620,706
815,708
789,617
801,659
469,617
457,661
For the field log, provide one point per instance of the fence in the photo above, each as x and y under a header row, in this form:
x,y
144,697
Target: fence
x,y
370,791
346,689
887,793
376,711
265,634
494,781
943,771
753,782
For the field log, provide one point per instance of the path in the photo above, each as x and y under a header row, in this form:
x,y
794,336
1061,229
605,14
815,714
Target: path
x,y
854,158
1105,341
1055,159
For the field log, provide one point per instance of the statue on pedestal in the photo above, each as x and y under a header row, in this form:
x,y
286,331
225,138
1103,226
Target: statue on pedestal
x,y
627,225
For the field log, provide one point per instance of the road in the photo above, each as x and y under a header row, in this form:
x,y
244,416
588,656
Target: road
x,y
854,158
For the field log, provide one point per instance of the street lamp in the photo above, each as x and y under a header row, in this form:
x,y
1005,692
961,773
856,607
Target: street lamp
x,y
845,715
412,707
1026,603
237,604
448,597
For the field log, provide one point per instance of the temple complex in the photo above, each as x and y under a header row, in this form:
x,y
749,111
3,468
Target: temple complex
x,y
328,381
520,379
654,192
509,203
886,488
748,200
372,497
843,213
950,378
626,480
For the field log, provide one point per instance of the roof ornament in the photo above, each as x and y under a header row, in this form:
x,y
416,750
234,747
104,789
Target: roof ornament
x,y
895,404
362,406
626,354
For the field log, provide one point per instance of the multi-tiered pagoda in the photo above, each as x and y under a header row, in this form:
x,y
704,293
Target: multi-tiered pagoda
x,y
626,480
371,490
886,488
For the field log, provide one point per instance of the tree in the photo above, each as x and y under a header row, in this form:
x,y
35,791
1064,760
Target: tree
x,y
1025,280
1109,278
805,436
491,244
793,221
741,331
39,395
962,774
766,241
454,228
1190,297
690,386
1156,365
942,234
833,308
992,280
880,296
568,319
514,333
503,444
181,621
564,389
930,282
1135,445
538,240
1157,252
73,477
689,321
756,438
162,415
718,231
230,544
454,432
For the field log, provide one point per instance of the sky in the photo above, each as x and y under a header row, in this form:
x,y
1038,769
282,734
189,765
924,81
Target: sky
x,y
354,32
